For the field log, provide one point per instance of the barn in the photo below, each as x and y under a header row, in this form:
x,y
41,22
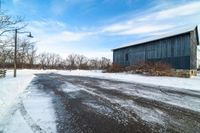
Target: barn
x,y
179,49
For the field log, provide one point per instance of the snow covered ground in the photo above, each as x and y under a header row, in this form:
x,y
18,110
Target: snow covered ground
x,y
182,83
12,88
35,111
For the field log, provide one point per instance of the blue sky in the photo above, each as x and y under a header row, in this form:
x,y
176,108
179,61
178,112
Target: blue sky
x,y
94,27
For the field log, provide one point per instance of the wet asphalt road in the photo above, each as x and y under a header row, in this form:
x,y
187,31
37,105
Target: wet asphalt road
x,y
92,105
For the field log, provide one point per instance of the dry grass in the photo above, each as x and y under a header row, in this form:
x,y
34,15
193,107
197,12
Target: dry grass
x,y
115,68
146,68
151,68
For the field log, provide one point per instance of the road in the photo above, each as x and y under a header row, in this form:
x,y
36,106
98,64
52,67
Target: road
x,y
92,105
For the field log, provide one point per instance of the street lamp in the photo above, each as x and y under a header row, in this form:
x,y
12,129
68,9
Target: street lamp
x,y
15,53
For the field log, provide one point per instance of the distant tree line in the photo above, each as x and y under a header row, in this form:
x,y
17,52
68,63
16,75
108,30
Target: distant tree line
x,y
28,58
72,61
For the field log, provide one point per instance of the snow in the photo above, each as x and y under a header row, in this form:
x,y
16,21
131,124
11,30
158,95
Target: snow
x,y
99,108
69,88
146,114
182,84
94,105
40,108
39,105
187,101
10,90
176,82
18,125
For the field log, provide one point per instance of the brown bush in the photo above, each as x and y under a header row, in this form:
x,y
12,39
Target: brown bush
x,y
151,68
147,68
115,68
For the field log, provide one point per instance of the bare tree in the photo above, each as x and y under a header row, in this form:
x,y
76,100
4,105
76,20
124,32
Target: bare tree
x,y
57,61
26,54
5,51
81,62
48,59
54,60
31,55
71,61
9,23
42,59
94,63
104,63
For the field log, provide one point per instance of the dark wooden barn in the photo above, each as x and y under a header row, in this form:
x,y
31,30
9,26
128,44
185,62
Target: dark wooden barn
x,y
178,49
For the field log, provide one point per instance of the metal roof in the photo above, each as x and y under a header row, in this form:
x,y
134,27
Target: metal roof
x,y
167,35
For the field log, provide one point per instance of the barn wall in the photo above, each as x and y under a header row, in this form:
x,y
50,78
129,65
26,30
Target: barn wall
x,y
193,49
174,51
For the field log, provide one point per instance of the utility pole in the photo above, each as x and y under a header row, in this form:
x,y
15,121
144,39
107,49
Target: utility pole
x,y
15,51
15,54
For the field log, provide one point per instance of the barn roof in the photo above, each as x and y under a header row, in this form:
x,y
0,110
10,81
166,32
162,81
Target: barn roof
x,y
167,35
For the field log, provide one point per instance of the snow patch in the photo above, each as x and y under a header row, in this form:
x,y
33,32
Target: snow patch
x,y
11,88
39,106
146,114
99,108
68,87
177,82
18,125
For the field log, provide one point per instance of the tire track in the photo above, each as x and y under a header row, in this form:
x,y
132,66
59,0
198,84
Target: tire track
x,y
105,92
29,120
176,116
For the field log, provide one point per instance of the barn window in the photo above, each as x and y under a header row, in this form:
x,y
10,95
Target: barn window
x,y
126,56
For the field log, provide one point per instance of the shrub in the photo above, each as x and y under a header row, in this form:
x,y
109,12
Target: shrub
x,y
115,68
151,68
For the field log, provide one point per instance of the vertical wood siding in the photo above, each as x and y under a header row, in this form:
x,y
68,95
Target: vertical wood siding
x,y
178,51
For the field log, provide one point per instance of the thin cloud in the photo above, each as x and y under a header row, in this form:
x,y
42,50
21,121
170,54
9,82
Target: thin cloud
x,y
184,10
156,21
55,31
58,7
16,1
55,36
146,29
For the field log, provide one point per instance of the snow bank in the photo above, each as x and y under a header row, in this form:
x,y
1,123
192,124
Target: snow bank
x,y
184,83
18,125
40,108
11,88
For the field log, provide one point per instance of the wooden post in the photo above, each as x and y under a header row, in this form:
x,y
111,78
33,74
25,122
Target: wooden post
x,y
15,55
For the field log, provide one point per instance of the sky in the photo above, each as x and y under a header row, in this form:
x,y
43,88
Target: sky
x,y
94,27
